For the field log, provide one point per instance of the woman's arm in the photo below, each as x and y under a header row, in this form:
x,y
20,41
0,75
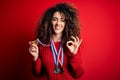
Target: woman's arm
x,y
34,51
36,67
75,65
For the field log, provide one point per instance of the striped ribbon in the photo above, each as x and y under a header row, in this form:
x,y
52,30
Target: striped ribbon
x,y
56,55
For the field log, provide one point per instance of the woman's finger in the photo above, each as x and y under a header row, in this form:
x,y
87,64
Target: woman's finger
x,y
74,39
69,43
77,39
33,42
80,41
33,45
32,49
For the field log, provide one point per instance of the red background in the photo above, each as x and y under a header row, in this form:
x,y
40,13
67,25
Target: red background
x,y
100,33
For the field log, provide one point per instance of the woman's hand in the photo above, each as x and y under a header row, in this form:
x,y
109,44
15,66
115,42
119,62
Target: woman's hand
x,y
74,45
33,49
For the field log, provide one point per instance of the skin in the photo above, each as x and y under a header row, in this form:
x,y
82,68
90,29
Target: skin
x,y
58,24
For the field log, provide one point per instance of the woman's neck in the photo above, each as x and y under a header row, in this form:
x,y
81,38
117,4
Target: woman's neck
x,y
57,37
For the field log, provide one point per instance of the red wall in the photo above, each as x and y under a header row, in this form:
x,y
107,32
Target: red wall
x,y
100,33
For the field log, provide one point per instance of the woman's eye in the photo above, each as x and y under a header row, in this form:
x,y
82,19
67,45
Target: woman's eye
x,y
63,20
53,19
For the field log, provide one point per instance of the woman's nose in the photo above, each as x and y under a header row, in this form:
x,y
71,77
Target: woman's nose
x,y
58,22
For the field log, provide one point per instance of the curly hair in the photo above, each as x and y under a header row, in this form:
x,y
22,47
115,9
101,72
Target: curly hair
x,y
44,29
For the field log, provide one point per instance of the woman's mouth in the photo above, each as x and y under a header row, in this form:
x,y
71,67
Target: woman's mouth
x,y
57,27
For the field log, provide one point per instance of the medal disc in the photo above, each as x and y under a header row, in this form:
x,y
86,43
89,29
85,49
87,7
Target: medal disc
x,y
56,70
61,70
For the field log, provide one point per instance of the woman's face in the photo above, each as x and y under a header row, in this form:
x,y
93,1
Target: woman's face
x,y
58,22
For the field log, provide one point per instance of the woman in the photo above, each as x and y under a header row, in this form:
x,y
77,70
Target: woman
x,y
57,54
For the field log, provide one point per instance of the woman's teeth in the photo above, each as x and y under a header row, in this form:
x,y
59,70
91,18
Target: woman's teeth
x,y
57,27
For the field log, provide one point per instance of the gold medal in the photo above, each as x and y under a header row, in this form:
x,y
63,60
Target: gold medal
x,y
35,42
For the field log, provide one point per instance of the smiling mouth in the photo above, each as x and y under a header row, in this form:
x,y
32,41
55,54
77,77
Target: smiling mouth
x,y
57,27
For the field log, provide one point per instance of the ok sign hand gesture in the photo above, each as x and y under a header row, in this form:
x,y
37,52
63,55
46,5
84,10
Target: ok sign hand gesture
x,y
73,45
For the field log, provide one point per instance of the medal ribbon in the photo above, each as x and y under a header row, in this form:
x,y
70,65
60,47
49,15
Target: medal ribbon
x,y
56,55
41,43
